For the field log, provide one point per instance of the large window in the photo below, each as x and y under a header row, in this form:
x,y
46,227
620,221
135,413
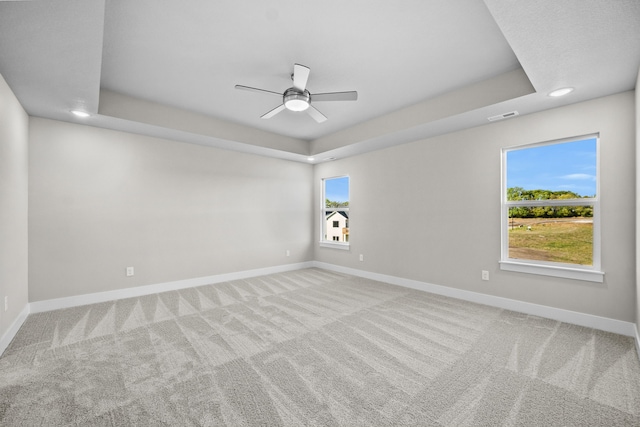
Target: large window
x,y
335,212
550,209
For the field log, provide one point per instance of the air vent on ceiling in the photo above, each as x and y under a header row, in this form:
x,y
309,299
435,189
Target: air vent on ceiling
x,y
503,116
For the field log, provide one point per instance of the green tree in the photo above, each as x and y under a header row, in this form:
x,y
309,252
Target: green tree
x,y
333,204
516,193
519,193
520,212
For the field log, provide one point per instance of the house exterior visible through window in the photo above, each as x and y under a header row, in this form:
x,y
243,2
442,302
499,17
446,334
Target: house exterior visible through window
x,y
550,209
335,212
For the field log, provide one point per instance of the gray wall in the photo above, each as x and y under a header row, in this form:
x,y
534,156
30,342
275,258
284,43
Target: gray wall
x,y
102,200
637,92
14,125
430,210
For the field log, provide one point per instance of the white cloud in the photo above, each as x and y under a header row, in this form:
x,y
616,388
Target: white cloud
x,y
579,176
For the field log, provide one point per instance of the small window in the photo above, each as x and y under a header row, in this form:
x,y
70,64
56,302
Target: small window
x,y
550,209
335,212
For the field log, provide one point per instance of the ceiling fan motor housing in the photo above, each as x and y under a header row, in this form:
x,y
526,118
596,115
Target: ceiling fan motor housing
x,y
296,100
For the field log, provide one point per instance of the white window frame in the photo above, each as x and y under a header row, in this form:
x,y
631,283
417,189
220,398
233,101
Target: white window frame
x,y
591,273
325,210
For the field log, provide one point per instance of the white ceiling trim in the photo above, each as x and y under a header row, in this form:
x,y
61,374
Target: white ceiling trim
x,y
420,69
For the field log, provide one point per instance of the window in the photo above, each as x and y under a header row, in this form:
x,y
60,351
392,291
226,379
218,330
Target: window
x,y
335,212
550,209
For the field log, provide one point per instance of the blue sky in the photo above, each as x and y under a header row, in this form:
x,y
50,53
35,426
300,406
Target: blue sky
x,y
337,189
568,166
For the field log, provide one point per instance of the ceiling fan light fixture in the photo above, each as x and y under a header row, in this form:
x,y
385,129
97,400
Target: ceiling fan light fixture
x,y
295,100
296,105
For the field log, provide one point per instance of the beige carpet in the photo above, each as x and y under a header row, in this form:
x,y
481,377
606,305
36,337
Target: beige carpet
x,y
315,348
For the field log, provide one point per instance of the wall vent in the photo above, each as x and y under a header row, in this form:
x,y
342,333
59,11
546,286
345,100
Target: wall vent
x,y
503,116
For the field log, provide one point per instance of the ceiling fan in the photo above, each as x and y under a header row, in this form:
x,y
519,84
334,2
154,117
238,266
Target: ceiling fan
x,y
298,98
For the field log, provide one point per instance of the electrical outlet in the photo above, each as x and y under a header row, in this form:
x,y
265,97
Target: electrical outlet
x,y
129,271
485,275
6,303
288,252
361,257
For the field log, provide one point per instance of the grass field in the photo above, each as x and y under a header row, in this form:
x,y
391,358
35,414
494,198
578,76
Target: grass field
x,y
567,240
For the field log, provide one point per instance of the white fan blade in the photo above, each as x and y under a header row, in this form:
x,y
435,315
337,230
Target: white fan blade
x,y
317,115
335,96
253,89
300,76
273,112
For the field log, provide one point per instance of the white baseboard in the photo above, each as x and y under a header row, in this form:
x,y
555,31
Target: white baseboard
x,y
567,316
576,318
13,329
58,303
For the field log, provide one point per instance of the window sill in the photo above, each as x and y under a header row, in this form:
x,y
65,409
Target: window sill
x,y
334,245
554,271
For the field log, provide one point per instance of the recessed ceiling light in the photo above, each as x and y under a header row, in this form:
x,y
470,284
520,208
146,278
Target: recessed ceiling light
x,y
561,92
80,113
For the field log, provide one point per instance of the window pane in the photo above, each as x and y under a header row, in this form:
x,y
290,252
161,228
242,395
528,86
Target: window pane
x,y
336,191
555,171
550,208
335,213
541,236
336,228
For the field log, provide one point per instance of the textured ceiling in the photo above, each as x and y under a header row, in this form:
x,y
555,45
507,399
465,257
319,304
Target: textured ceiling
x,y
421,68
